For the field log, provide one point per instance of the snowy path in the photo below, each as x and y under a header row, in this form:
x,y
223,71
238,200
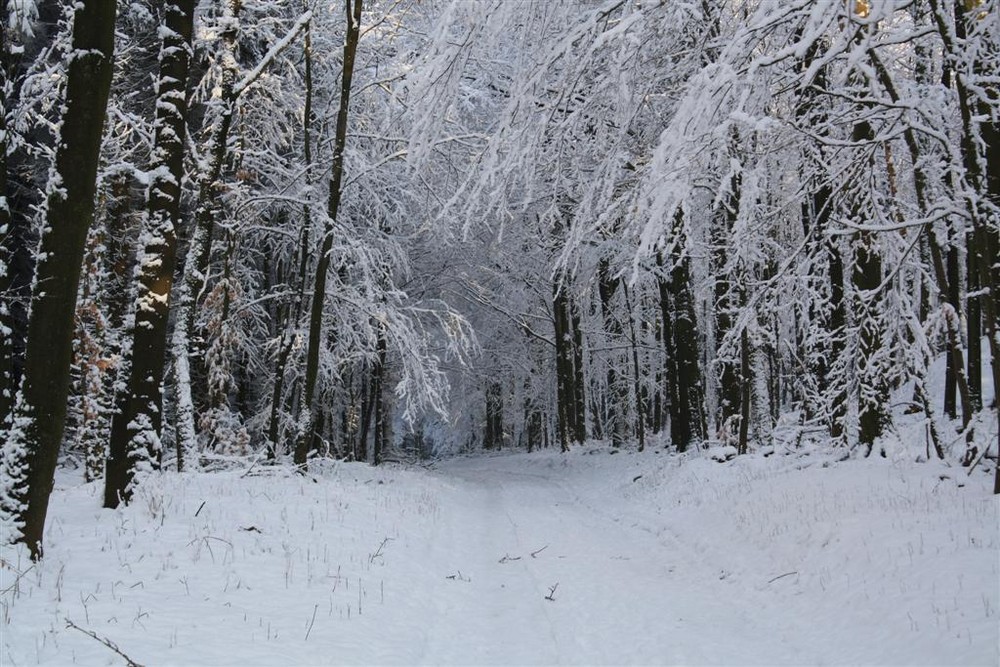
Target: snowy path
x,y
631,590
622,596
655,559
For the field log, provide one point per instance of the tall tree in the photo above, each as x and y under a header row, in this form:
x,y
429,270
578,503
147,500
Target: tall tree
x,y
137,423
353,9
32,448
7,388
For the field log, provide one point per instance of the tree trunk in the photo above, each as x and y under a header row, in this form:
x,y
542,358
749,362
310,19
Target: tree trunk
x,y
984,237
136,427
200,247
640,411
945,284
873,396
873,393
33,443
745,371
379,444
615,395
975,253
579,396
950,377
686,412
295,310
493,433
836,325
7,388
730,393
353,33
669,349
564,365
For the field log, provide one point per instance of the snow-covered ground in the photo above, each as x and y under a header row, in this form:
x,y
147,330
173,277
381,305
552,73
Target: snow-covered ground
x,y
543,558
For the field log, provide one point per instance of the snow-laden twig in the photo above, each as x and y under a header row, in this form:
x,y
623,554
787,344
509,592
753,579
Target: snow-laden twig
x,y
275,51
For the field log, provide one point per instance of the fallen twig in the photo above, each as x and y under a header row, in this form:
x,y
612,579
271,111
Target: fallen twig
x,y
551,597
982,454
313,620
18,575
782,576
378,552
104,640
252,466
534,554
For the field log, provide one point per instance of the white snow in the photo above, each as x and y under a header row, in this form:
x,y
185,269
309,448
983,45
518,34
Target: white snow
x,y
648,558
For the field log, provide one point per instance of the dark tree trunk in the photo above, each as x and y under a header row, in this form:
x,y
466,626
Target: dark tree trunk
x,y
353,15
7,387
669,349
294,312
976,253
745,393
686,413
974,320
873,395
836,325
493,433
382,416
874,391
950,378
730,393
640,402
565,403
945,285
615,397
136,427
579,395
200,247
41,408
984,233
367,410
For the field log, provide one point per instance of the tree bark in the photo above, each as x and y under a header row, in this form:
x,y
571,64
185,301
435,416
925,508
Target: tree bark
x,y
353,10
687,423
200,246
615,397
985,237
136,427
579,387
34,441
640,408
7,388
382,430
295,310
730,393
950,376
947,287
565,403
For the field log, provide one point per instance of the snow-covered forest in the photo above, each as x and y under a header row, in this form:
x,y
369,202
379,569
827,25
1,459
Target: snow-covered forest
x,y
750,246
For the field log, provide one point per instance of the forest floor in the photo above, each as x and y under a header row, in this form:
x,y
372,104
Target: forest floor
x,y
544,558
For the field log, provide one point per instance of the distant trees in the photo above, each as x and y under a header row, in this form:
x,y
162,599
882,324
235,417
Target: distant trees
x,y
792,185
